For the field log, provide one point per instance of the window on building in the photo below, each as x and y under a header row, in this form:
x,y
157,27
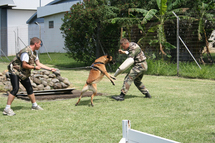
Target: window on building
x,y
51,24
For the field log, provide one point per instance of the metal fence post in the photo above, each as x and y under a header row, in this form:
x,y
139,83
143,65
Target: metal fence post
x,y
177,46
177,37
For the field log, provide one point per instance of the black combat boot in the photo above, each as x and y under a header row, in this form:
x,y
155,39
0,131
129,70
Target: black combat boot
x,y
120,97
147,95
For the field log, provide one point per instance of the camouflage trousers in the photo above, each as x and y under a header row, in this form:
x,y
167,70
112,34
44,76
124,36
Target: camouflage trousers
x,y
135,75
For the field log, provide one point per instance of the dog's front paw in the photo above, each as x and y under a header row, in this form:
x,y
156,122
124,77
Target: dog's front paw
x,y
113,77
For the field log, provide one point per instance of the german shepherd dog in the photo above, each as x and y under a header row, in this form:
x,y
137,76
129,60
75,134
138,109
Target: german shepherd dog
x,y
98,70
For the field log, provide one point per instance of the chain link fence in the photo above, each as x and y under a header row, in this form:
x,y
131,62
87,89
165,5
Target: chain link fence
x,y
14,39
188,31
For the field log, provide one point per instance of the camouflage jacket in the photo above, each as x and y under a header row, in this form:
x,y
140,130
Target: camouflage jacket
x,y
135,52
15,66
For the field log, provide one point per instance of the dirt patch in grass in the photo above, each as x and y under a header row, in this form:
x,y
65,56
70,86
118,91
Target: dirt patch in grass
x,y
51,96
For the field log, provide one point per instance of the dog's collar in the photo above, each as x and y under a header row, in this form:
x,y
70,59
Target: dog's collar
x,y
98,63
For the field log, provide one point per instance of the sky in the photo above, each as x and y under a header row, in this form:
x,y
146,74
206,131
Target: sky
x,y
30,4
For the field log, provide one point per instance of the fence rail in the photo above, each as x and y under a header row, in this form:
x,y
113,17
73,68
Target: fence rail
x,y
134,136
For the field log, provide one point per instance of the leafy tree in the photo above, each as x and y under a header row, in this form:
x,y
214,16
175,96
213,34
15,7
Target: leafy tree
x,y
163,14
205,15
87,30
84,28
141,15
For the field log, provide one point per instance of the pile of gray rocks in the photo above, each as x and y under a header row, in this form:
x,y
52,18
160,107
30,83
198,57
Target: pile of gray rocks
x,y
40,80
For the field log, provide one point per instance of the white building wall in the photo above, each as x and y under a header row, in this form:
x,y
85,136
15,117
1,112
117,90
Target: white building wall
x,y
17,29
53,40
34,31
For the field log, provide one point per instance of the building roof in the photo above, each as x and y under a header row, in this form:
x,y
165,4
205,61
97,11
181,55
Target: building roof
x,y
35,18
54,9
23,4
7,3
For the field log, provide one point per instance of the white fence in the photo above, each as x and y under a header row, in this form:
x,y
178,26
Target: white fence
x,y
134,136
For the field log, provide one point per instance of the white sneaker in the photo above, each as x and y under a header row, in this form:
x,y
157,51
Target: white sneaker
x,y
8,112
36,108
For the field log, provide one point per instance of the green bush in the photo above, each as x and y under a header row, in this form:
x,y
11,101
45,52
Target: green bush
x,y
86,32
161,67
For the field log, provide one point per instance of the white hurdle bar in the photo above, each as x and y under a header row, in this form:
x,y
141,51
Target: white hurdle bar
x,y
134,136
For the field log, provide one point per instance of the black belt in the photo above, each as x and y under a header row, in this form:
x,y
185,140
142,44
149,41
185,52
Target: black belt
x,y
141,61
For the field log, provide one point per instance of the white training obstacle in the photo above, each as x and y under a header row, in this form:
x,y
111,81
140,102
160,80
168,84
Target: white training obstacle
x,y
134,136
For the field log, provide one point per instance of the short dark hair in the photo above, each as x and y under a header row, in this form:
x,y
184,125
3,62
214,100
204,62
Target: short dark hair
x,y
34,40
124,41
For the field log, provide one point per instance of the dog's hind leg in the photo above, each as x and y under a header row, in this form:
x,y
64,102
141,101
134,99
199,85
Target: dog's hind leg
x,y
85,88
94,89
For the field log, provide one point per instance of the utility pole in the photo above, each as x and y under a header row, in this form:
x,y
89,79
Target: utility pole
x,y
39,35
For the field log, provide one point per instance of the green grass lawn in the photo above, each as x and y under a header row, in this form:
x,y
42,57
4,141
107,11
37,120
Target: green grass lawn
x,y
181,109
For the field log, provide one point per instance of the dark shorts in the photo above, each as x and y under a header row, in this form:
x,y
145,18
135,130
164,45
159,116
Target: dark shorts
x,y
14,79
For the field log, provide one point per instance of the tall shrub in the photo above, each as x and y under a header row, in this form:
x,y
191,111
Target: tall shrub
x,y
84,28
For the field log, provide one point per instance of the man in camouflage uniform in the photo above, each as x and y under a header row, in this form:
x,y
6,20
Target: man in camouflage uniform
x,y
136,73
20,70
